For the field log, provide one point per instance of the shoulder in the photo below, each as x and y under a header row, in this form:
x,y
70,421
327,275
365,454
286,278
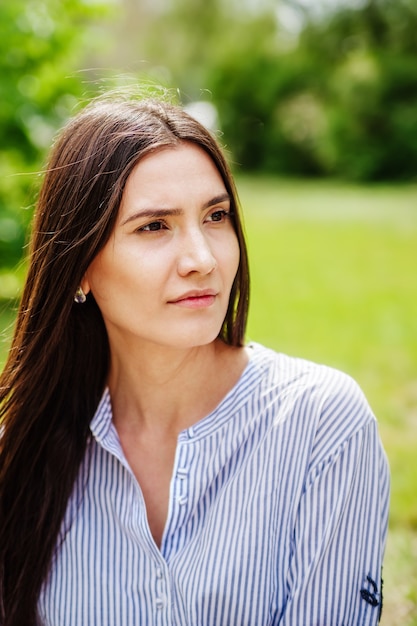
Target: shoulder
x,y
319,397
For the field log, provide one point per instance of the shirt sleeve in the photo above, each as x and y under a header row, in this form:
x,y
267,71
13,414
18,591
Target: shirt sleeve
x,y
335,574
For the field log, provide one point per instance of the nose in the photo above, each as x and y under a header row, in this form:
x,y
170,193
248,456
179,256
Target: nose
x,y
195,254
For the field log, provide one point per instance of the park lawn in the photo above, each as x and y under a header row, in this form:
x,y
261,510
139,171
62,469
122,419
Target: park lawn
x,y
334,280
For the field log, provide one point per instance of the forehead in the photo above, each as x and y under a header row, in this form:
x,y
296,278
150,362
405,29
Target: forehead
x,y
174,167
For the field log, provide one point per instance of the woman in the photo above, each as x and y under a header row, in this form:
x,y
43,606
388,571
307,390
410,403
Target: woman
x,y
154,468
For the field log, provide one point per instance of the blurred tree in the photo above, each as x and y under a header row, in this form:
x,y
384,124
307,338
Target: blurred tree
x,y
368,89
228,53
41,42
253,82
342,101
169,41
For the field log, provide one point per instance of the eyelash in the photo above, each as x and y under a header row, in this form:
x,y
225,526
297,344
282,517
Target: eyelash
x,y
147,228
223,212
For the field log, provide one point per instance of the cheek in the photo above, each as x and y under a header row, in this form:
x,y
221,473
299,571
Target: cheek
x,y
232,257
107,275
99,276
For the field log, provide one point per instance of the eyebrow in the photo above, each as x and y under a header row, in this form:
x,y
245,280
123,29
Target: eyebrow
x,y
154,213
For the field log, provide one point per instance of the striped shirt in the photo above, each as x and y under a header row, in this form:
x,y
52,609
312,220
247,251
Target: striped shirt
x,y
277,514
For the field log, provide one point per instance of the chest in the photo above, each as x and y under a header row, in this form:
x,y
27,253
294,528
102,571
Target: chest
x,y
228,509
222,549
152,465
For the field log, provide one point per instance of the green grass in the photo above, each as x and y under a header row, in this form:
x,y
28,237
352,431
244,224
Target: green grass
x,y
334,277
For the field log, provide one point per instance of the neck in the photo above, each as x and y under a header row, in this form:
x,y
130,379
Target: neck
x,y
165,391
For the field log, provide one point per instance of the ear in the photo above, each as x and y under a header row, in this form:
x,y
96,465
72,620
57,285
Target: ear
x,y
85,284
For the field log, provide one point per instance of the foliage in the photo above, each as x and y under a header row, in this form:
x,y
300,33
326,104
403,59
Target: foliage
x,y
257,94
370,93
40,48
340,102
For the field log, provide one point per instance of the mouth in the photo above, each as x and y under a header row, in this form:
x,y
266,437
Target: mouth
x,y
196,299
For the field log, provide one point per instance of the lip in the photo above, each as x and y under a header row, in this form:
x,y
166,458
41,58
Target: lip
x,y
196,298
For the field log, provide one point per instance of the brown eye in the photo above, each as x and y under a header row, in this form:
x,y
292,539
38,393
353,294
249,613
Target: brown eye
x,y
152,227
218,216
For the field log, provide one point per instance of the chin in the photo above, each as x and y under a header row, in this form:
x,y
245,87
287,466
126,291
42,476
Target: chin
x,y
196,340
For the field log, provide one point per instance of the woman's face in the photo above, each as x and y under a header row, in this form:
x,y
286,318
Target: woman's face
x,y
165,275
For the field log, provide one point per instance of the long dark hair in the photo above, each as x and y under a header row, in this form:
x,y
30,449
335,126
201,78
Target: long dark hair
x,y
59,358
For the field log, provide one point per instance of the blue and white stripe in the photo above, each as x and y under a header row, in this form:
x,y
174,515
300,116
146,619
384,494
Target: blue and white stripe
x,y
277,515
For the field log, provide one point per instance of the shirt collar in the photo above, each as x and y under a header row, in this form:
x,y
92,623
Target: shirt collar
x,y
102,421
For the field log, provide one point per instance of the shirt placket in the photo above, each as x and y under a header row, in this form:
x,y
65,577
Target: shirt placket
x,y
181,496
162,595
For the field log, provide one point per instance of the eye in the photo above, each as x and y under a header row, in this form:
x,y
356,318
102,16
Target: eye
x,y
152,227
218,216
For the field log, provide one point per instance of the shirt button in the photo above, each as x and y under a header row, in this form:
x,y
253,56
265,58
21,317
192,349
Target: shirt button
x,y
182,472
182,500
159,573
160,603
